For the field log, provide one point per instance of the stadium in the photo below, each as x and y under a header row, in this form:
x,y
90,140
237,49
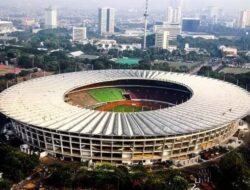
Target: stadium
x,y
124,116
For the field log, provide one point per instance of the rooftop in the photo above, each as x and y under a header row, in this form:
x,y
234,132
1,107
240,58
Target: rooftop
x,y
40,102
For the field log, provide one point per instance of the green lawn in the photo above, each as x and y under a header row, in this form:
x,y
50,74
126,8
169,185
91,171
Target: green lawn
x,y
128,61
230,70
107,94
125,108
3,70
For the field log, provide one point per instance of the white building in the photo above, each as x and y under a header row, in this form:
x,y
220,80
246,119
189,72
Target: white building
x,y
106,20
199,35
105,44
244,19
173,29
112,44
174,15
76,53
189,49
50,18
6,27
79,34
133,33
229,51
162,39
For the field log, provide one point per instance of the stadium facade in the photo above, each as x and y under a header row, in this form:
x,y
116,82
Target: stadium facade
x,y
44,120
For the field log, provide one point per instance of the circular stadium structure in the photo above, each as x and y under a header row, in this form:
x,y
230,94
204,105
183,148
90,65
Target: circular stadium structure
x,y
124,116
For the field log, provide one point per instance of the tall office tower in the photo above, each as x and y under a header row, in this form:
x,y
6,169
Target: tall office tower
x,y
174,15
50,18
162,39
79,34
174,12
213,14
106,17
244,19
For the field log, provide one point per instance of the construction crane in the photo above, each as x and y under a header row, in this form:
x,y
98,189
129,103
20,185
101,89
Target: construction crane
x,y
145,25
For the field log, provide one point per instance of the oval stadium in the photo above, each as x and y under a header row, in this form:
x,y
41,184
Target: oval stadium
x,y
124,116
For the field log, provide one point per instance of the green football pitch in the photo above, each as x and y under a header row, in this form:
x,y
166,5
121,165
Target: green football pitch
x,y
128,61
125,108
107,94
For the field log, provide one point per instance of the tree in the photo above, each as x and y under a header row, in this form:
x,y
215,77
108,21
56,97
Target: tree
x,y
62,176
24,73
156,180
123,178
10,76
234,171
205,71
15,165
25,61
175,181
5,184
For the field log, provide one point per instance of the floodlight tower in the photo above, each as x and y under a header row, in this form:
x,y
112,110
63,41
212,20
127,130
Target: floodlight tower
x,y
145,25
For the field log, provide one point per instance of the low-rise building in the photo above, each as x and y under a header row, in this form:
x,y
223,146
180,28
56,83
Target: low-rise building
x,y
189,49
198,35
6,27
112,44
79,34
229,51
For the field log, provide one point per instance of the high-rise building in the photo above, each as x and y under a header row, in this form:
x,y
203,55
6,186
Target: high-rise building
x,y
50,18
173,29
106,17
174,15
162,39
213,14
190,24
176,3
244,19
79,34
174,12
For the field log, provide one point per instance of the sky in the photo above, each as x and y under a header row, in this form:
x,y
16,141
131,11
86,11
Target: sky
x,y
128,4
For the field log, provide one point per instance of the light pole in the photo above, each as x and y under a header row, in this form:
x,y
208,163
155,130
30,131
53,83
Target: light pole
x,y
59,68
32,60
75,66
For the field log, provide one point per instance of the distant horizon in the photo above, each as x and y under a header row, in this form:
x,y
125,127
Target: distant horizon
x,y
127,4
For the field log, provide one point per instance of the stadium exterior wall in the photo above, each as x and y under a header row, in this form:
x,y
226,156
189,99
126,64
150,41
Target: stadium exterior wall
x,y
122,150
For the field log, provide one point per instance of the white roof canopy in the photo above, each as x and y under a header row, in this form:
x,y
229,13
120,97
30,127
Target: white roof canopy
x,y
40,102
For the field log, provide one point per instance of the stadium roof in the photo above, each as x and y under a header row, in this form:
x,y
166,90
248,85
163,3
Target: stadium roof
x,y
40,102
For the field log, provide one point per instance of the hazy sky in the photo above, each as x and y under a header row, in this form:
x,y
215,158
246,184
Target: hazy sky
x,y
127,4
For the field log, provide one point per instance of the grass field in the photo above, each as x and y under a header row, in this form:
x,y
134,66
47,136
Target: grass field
x,y
128,61
230,70
107,94
125,108
3,70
